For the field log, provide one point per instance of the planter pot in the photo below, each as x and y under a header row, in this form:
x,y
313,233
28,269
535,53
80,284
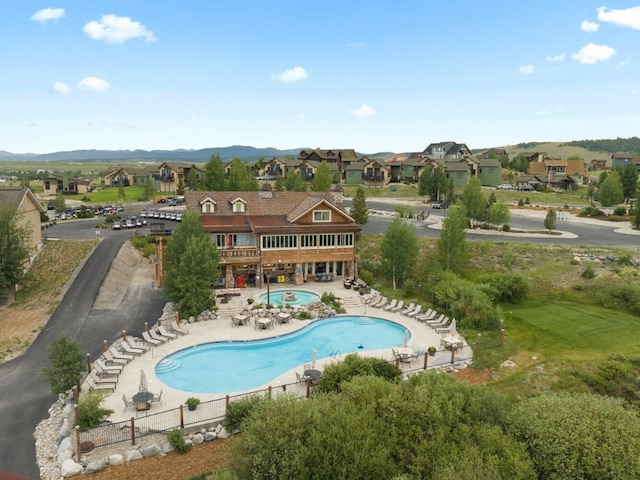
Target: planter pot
x,y
431,354
191,407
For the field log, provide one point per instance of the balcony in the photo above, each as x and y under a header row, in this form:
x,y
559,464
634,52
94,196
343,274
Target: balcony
x,y
167,178
238,255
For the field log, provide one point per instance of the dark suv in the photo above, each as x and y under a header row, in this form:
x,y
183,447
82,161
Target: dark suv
x,y
441,204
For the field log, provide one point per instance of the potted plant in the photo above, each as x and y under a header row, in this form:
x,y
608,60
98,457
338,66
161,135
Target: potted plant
x,y
192,403
431,350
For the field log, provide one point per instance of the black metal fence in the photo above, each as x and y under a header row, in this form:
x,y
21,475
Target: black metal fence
x,y
214,411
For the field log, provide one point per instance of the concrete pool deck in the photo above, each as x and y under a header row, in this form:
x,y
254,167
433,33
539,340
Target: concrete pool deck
x,y
221,329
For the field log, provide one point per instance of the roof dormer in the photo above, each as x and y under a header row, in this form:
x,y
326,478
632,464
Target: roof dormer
x,y
207,205
238,205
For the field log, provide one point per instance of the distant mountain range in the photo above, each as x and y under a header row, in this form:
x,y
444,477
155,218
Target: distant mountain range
x,y
195,156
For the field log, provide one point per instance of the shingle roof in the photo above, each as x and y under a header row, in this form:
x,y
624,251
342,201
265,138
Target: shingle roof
x,y
13,196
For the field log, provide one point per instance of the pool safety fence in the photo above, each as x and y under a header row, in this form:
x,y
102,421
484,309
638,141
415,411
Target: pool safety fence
x,y
213,412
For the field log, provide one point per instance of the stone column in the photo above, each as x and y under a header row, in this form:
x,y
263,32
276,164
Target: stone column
x,y
298,276
229,277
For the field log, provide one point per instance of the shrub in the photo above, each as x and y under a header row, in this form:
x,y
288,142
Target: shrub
x,y
85,212
90,410
620,210
588,273
590,212
506,287
239,410
304,316
506,227
521,203
369,265
366,276
176,439
527,201
353,365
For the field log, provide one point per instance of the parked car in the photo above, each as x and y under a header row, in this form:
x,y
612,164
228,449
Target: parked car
x,y
504,186
441,204
130,223
178,217
138,222
526,188
116,225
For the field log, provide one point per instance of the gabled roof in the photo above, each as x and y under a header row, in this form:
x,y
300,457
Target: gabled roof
x,y
60,176
309,204
332,153
177,166
14,196
461,166
485,161
450,148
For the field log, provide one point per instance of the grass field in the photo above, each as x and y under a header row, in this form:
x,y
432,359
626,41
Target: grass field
x,y
111,195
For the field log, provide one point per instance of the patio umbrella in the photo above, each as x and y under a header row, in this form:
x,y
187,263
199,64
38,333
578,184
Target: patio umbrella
x,y
313,358
143,382
453,327
406,336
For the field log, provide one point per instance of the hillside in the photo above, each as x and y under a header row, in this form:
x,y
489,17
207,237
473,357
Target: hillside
x,y
561,150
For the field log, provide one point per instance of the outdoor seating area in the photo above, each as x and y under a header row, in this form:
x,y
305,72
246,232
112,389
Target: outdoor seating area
x,y
354,283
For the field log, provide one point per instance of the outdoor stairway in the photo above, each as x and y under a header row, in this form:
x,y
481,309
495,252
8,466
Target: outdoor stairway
x,y
352,304
227,310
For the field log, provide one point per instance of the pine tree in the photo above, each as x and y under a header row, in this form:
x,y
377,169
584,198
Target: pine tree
x,y
359,211
550,220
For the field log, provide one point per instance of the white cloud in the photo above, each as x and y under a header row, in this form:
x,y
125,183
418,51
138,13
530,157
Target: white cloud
x,y
629,17
59,87
364,111
589,26
114,29
47,14
549,111
526,69
94,84
556,58
294,74
592,53
355,45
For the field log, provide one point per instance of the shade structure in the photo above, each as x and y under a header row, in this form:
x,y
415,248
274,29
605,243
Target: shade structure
x,y
406,336
314,352
453,331
143,387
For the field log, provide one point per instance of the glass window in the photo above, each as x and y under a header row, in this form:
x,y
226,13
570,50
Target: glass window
x,y
322,215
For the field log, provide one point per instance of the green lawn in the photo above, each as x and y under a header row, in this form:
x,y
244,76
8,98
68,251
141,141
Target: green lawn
x,y
110,195
570,331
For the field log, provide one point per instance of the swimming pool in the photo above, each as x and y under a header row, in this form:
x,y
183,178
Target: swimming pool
x,y
224,367
302,297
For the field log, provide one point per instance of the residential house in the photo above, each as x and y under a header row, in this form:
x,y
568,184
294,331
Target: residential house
x,y
558,174
68,185
340,157
406,170
24,203
307,169
281,166
495,152
446,151
534,156
374,173
169,175
488,170
127,176
268,236
624,159
459,172
598,165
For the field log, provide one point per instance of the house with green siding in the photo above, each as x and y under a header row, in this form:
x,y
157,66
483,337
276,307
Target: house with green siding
x,y
488,170
459,172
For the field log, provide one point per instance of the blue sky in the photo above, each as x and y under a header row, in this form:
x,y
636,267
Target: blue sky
x,y
373,76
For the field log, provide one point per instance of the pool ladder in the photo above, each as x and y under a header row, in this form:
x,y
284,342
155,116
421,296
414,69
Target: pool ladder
x,y
334,353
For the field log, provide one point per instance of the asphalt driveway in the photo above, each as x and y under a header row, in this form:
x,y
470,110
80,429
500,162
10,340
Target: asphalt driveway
x,y
25,397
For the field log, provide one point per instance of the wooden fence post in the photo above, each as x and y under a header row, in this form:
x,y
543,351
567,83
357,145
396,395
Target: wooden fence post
x,y
453,354
88,363
124,335
478,344
502,337
426,357
105,345
226,403
269,392
308,383
133,431
181,416
76,393
78,452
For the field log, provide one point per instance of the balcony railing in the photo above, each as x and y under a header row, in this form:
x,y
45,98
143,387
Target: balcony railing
x,y
238,253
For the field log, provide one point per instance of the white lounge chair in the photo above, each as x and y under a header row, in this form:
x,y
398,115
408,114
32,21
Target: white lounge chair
x,y
130,349
156,336
436,321
175,326
151,341
97,383
398,307
165,333
415,311
410,308
442,324
391,304
109,359
450,329
101,366
120,356
380,303
428,315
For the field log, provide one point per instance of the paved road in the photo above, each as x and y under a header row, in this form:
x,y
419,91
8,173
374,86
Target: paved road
x,y
25,398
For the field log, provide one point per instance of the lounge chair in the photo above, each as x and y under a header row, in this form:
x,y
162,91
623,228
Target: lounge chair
x,y
428,315
175,327
109,359
157,398
100,366
391,304
127,402
398,307
97,383
381,302
131,350
451,328
410,308
151,341
156,336
442,324
415,311
165,333
119,356
435,321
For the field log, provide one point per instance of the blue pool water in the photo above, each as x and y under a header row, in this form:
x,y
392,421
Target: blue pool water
x,y
225,367
302,298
